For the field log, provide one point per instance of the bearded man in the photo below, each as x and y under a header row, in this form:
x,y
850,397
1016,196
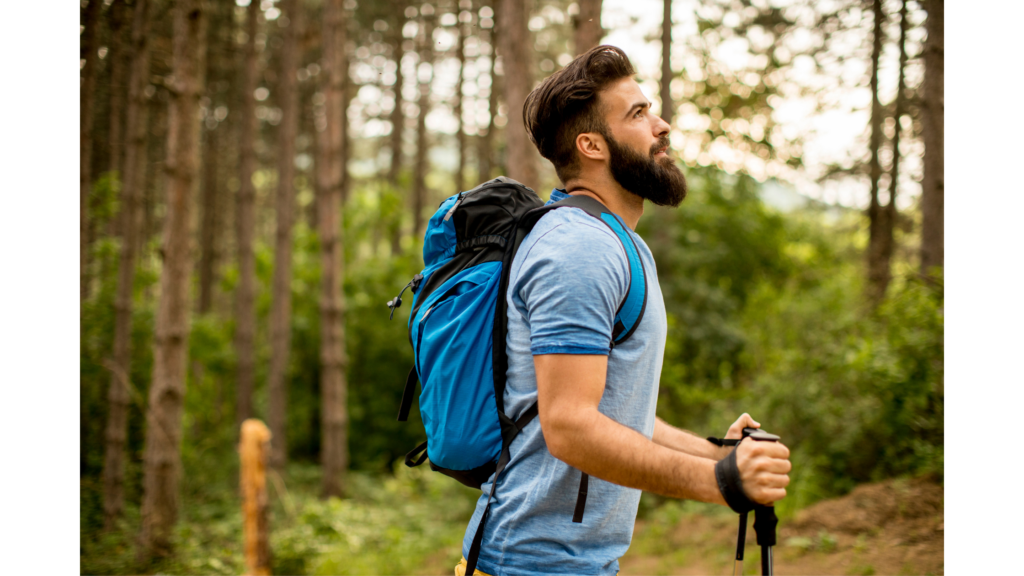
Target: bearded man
x,y
596,403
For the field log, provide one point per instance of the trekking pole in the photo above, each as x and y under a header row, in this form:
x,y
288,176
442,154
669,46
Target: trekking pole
x,y
765,520
741,541
764,517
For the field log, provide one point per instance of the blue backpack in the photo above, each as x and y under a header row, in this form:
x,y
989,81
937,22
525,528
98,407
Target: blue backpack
x,y
459,313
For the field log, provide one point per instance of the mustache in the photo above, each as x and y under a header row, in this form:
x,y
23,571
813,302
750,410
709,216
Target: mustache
x,y
662,143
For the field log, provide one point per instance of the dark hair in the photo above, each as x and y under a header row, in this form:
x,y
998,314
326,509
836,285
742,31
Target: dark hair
x,y
564,105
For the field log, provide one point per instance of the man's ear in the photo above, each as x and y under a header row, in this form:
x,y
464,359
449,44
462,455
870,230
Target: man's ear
x,y
592,145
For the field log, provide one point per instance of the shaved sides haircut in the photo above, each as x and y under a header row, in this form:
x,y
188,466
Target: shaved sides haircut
x,y
565,106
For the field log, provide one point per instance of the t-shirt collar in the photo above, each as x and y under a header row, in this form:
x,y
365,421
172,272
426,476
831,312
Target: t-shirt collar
x,y
557,194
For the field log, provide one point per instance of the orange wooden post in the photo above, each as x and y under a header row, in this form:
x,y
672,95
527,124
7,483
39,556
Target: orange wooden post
x,y
254,450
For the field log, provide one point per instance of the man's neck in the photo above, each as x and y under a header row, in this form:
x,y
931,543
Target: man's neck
x,y
607,191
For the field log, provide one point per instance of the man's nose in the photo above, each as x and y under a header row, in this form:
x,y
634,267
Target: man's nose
x,y
661,127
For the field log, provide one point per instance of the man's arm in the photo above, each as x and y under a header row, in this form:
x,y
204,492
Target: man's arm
x,y
685,441
569,391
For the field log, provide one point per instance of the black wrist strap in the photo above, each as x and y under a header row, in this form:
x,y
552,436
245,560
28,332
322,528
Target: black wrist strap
x,y
727,473
725,442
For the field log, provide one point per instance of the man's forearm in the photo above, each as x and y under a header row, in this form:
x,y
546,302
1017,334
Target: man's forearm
x,y
671,437
605,449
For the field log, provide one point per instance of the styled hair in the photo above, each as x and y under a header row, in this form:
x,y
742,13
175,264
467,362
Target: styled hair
x,y
565,105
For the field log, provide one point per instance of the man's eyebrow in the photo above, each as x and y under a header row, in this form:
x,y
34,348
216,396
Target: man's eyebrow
x,y
643,104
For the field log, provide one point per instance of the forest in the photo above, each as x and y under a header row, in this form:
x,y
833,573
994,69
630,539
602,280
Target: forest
x,y
255,180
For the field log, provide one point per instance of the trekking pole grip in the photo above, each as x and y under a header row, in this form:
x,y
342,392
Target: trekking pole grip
x,y
765,520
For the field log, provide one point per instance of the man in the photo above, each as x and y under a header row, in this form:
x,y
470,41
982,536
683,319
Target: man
x,y
596,405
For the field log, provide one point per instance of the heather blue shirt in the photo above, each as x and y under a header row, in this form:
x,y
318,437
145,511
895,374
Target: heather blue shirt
x,y
566,283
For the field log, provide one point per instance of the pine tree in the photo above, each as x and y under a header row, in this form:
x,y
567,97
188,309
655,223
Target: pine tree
x,y
933,134
516,48
333,359
245,226
88,101
162,458
587,26
666,62
118,396
281,294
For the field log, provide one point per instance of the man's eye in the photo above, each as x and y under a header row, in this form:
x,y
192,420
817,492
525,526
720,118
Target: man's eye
x,y
638,113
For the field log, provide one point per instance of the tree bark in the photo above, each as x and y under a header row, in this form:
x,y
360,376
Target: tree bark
x,y
162,459
460,135
587,24
397,113
281,295
876,270
333,361
485,152
397,125
118,57
516,49
245,227
667,108
211,156
933,134
87,103
420,167
888,214
118,396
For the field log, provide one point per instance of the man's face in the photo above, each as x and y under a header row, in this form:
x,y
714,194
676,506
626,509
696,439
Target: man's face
x,y
638,146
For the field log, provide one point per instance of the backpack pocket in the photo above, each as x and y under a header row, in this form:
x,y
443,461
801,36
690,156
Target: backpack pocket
x,y
453,348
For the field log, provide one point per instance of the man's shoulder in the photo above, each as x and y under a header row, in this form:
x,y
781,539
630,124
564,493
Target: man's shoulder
x,y
569,231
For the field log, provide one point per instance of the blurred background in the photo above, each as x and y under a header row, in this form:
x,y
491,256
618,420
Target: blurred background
x,y
255,181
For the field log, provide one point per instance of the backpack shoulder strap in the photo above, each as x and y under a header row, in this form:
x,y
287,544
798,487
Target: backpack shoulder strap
x,y
631,309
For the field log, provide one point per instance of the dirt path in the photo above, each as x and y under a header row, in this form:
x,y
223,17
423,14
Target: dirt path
x,y
893,527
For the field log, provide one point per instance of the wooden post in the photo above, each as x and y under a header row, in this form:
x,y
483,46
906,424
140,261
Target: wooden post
x,y
254,450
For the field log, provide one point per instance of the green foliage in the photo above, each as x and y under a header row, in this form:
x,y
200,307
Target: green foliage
x,y
765,313
766,316
397,525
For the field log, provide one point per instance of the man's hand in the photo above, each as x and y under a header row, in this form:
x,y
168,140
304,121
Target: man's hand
x,y
735,432
764,469
744,421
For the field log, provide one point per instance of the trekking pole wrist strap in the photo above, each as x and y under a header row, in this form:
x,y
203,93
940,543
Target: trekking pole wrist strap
x,y
723,442
727,474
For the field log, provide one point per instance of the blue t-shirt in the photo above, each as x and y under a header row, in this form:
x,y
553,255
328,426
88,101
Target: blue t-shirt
x,y
566,283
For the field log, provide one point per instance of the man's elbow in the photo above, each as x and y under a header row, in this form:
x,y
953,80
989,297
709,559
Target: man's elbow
x,y
562,435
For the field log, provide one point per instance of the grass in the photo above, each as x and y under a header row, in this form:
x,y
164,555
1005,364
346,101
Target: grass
x,y
411,522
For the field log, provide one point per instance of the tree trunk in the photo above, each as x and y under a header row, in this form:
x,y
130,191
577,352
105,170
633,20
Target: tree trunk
x,y
888,215
281,295
333,360
397,125
420,168
485,153
118,396
876,270
460,135
162,458
587,24
667,110
211,156
516,49
933,134
87,102
397,113
245,227
118,56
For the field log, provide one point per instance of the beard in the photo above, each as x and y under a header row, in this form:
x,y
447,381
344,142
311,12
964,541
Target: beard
x,y
657,180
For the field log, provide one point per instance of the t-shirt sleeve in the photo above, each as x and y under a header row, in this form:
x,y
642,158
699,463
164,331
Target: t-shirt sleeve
x,y
569,288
